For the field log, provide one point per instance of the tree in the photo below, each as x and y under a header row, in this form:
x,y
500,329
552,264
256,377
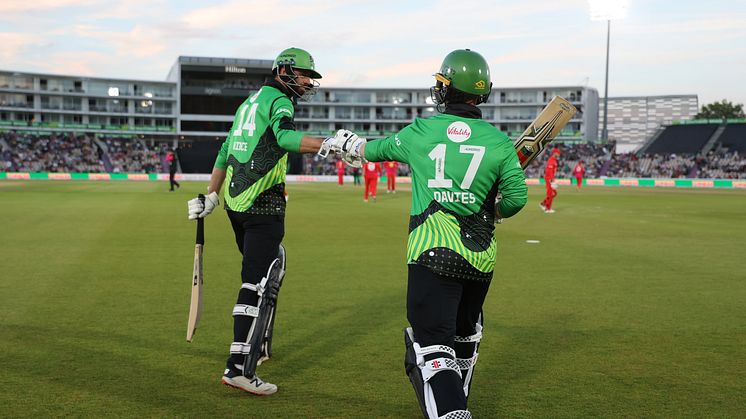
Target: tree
x,y
721,110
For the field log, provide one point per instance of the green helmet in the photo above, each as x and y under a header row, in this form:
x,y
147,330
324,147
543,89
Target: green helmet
x,y
465,71
296,58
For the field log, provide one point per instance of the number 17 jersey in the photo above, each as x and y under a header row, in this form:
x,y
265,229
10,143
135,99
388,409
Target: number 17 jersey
x,y
458,164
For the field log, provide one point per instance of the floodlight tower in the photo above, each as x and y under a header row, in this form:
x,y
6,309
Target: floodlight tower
x,y
607,10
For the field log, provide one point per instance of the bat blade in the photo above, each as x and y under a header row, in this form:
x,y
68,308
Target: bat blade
x,y
543,130
195,306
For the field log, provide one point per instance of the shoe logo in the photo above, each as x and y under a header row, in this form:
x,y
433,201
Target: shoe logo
x,y
256,382
436,364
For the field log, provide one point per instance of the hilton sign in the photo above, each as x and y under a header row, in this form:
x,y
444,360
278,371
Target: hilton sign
x,y
234,69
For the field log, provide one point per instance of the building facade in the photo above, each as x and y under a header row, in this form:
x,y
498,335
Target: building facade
x,y
211,89
199,98
632,120
46,102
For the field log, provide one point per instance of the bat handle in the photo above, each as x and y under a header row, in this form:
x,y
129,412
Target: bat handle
x,y
201,225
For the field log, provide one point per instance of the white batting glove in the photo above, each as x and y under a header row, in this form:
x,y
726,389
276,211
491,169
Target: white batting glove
x,y
327,146
198,209
349,146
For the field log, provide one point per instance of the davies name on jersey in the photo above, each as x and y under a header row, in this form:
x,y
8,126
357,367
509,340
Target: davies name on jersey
x,y
448,196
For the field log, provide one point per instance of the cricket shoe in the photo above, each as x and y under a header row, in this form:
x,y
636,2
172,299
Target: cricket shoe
x,y
543,208
549,211
253,385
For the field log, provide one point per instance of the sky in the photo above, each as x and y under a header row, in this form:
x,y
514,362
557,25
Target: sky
x,y
659,47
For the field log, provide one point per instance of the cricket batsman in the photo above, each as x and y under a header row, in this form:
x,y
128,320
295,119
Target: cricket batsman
x,y
459,163
549,181
250,170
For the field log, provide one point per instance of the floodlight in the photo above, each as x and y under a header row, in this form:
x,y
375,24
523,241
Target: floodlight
x,y
608,9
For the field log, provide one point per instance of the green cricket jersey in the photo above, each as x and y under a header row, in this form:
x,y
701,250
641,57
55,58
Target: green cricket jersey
x,y
254,154
459,163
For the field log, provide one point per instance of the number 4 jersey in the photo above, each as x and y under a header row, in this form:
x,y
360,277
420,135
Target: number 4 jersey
x,y
459,164
254,154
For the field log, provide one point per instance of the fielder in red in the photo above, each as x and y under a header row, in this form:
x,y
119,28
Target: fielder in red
x,y
550,182
371,173
391,168
340,172
579,173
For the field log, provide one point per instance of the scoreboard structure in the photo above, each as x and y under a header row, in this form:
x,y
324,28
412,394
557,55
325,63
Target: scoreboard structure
x,y
209,90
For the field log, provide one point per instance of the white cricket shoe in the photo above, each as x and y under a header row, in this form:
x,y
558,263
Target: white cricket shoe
x,y
549,211
543,208
253,385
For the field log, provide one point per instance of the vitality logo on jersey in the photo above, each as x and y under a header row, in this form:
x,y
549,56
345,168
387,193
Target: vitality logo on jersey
x,y
458,132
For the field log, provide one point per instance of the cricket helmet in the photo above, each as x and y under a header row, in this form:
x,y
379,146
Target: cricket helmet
x,y
296,59
463,71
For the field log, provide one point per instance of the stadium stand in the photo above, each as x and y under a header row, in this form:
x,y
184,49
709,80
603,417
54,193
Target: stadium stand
x,y
594,157
682,139
734,138
133,156
52,153
70,153
651,166
730,165
198,156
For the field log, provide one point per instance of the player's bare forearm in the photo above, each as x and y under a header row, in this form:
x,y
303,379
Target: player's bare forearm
x,y
310,144
216,180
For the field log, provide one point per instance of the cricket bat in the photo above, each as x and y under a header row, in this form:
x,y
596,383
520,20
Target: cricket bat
x,y
195,307
543,129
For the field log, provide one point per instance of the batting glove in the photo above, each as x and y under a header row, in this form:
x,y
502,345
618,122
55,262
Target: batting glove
x,y
349,146
198,209
327,146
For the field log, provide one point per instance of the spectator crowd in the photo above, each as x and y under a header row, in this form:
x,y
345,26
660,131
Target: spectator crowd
x,y
133,156
52,153
69,153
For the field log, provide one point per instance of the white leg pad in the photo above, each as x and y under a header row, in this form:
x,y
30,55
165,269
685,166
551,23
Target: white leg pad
x,y
245,310
240,348
431,367
457,414
476,337
466,365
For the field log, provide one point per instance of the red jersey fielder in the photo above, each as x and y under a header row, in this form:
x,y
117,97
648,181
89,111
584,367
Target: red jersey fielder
x,y
340,172
579,173
371,173
549,182
391,168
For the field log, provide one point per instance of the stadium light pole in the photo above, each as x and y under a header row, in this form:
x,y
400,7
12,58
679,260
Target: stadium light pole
x,y
605,132
607,10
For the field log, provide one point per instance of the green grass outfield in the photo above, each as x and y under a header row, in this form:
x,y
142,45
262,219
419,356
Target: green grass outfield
x,y
632,305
